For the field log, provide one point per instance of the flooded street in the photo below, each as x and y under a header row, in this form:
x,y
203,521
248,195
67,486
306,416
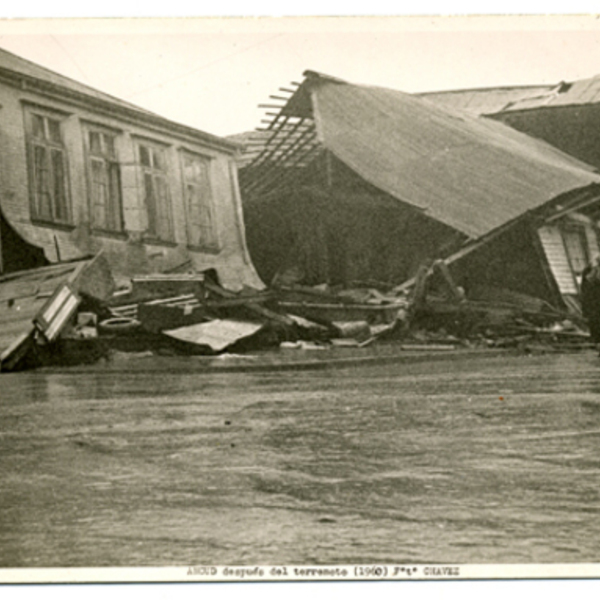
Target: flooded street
x,y
487,459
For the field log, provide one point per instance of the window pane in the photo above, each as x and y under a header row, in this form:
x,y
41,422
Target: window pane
x,y
37,127
164,222
54,131
202,170
98,171
42,183
145,156
192,198
58,179
95,145
199,201
150,199
99,194
158,161
109,145
188,169
115,210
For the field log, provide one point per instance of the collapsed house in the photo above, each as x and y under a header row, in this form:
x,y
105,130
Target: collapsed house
x,y
351,183
83,171
425,225
566,115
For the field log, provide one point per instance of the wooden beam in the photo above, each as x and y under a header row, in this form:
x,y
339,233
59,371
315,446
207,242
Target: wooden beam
x,y
279,106
1,258
252,306
442,268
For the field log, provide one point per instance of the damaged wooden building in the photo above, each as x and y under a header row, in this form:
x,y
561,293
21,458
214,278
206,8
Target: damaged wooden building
x,y
82,171
566,115
352,184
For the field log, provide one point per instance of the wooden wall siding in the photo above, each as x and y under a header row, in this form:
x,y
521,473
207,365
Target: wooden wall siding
x,y
130,252
553,245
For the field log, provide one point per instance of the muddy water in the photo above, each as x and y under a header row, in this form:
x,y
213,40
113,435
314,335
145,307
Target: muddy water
x,y
487,460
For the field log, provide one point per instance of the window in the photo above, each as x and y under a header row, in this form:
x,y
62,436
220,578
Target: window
x,y
198,198
106,203
576,246
48,169
155,191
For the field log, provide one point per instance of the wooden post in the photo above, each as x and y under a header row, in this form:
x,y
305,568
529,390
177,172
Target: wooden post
x,y
417,300
1,259
441,267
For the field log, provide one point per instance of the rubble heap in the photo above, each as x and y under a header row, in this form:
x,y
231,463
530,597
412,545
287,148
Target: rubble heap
x,y
78,314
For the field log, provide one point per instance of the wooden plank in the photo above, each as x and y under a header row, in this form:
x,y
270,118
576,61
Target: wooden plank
x,y
1,246
56,312
11,357
261,310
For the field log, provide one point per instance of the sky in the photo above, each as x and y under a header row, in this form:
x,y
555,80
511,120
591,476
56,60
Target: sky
x,y
212,73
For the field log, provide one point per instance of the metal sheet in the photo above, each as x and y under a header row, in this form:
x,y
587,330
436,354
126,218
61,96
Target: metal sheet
x,y
485,101
217,334
583,91
473,175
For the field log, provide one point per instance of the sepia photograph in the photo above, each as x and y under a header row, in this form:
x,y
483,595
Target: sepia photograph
x,y
299,299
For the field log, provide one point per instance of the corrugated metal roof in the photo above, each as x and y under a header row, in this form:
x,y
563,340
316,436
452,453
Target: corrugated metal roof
x,y
584,91
471,174
484,101
489,101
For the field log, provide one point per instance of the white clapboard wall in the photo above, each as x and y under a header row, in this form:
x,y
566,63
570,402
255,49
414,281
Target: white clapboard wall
x,y
558,260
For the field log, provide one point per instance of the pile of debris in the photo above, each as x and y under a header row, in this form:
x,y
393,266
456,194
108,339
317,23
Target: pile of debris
x,y
194,314
441,312
74,313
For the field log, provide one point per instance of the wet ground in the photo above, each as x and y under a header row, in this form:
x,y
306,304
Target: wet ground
x,y
477,459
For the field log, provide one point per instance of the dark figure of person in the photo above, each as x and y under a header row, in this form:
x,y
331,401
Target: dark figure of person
x,y
590,299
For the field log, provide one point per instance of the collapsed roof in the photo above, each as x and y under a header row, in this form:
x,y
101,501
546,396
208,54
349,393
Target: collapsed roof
x,y
577,93
507,99
472,174
485,101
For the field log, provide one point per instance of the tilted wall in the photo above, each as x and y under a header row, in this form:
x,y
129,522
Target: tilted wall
x,y
128,252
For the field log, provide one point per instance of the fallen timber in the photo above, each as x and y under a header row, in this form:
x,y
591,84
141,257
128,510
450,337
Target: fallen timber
x,y
71,314
36,306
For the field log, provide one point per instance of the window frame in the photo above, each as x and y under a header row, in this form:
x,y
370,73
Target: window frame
x,y
109,162
50,147
156,174
209,245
